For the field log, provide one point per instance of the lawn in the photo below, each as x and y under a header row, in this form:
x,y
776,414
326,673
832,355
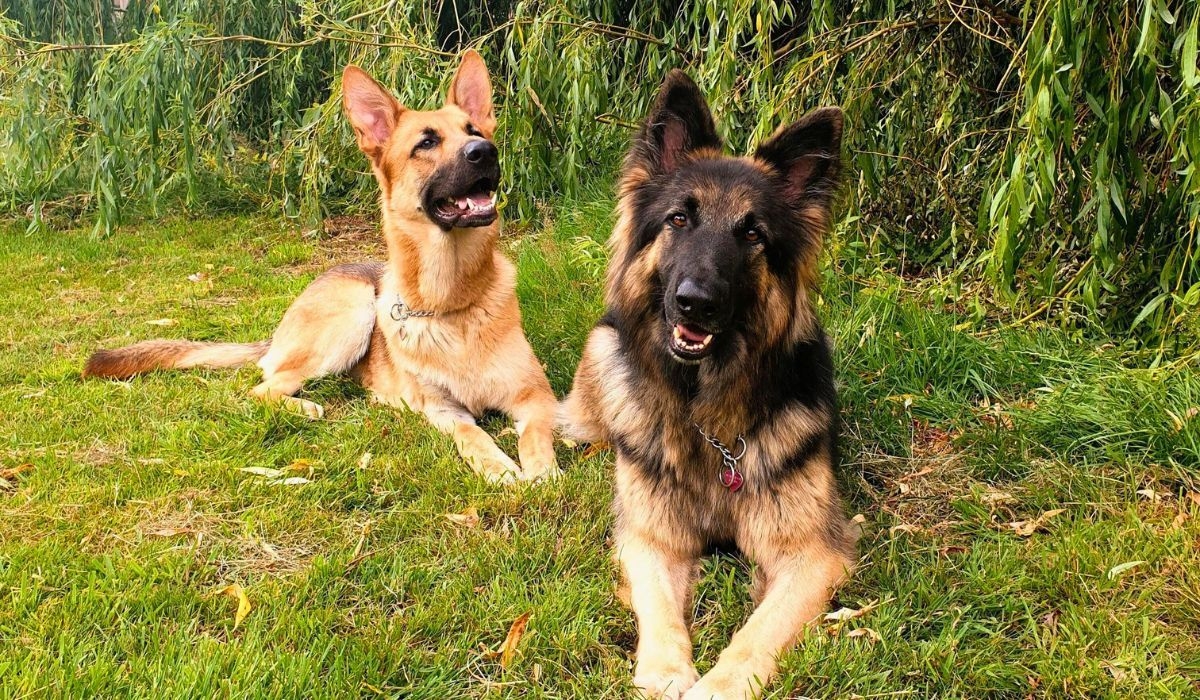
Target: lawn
x,y
1030,499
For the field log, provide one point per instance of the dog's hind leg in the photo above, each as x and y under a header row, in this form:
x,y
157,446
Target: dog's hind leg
x,y
598,373
326,330
280,387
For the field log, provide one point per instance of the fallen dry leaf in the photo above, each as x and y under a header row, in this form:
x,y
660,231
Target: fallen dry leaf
x,y
1178,422
918,474
595,448
235,591
1119,674
467,518
13,472
362,539
1119,569
1026,528
1179,520
569,443
843,614
515,632
290,481
265,472
171,531
903,527
300,466
997,419
365,460
858,527
162,322
991,496
197,277
1150,495
867,632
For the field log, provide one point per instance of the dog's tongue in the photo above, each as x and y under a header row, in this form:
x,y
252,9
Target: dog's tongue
x,y
690,334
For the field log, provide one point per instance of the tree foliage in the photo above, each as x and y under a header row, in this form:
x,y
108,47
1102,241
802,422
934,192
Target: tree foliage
x,y
1049,144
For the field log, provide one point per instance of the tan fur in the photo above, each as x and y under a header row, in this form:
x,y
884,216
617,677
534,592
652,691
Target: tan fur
x,y
471,356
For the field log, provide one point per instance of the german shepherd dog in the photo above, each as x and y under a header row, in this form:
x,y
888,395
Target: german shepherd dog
x,y
711,376
436,328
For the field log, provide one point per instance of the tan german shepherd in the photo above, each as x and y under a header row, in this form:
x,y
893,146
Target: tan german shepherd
x,y
436,328
711,376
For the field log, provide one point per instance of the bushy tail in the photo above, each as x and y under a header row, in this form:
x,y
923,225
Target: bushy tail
x,y
150,355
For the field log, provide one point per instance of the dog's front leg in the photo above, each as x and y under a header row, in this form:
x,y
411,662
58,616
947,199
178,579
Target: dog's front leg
x,y
659,584
798,588
533,412
477,448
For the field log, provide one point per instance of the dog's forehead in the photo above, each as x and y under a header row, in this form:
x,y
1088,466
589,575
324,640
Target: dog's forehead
x,y
446,121
726,189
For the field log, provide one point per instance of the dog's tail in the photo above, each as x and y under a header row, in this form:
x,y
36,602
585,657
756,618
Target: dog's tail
x,y
150,355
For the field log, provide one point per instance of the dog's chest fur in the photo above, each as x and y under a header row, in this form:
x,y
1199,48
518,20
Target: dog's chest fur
x,y
667,464
461,353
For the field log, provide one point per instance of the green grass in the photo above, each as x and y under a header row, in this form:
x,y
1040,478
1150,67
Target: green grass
x,y
135,510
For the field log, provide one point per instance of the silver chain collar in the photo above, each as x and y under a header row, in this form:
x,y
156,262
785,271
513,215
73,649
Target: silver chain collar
x,y
729,476
401,312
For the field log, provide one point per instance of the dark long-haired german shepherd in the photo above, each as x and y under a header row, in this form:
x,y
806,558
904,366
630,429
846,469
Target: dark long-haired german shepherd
x,y
711,376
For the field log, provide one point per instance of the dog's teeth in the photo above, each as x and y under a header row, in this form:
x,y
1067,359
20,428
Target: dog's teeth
x,y
678,333
707,339
493,199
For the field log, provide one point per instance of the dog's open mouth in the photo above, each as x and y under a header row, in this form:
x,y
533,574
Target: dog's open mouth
x,y
690,343
475,207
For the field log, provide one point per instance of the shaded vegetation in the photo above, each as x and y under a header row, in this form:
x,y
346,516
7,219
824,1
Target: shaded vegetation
x,y
1047,148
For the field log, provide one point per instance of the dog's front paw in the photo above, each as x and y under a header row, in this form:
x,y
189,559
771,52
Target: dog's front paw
x,y
724,688
304,407
496,470
540,471
665,683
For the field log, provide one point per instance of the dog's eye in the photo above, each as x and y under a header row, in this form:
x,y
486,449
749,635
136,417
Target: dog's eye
x,y
678,220
472,131
426,143
753,235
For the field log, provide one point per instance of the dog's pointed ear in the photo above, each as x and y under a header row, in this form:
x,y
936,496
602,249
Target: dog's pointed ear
x,y
371,109
471,91
679,123
808,156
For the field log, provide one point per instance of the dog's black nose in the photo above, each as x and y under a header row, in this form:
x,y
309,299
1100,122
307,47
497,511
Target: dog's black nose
x,y
699,303
479,151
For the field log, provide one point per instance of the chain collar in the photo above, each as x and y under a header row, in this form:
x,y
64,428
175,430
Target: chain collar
x,y
401,312
729,476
